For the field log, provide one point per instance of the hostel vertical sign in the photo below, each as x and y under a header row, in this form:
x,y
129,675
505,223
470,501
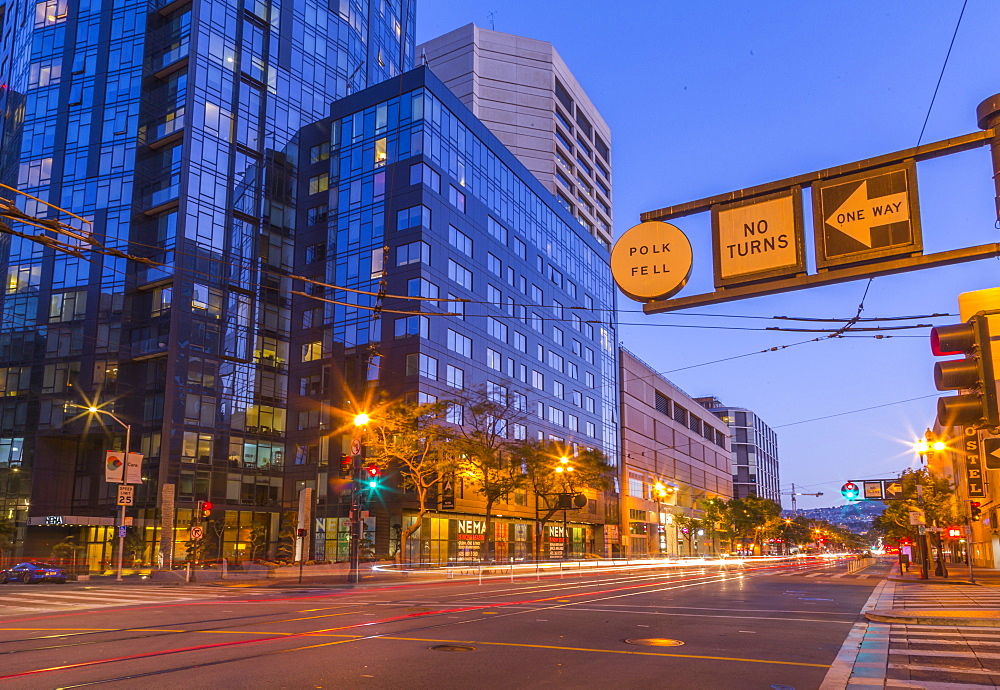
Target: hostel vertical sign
x,y
973,464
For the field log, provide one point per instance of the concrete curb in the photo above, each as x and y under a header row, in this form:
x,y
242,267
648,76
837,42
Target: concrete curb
x,y
917,581
980,618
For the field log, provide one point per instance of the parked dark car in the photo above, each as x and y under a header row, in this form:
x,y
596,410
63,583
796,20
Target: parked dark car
x,y
30,573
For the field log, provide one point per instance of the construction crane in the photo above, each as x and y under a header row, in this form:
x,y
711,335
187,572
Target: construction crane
x,y
793,493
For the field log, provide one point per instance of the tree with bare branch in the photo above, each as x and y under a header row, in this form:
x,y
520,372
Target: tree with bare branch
x,y
409,437
482,449
540,462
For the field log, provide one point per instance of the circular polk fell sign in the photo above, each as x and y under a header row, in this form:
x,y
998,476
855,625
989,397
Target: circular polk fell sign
x,y
651,261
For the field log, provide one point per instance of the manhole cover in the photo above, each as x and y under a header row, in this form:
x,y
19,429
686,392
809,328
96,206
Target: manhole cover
x,y
654,642
452,648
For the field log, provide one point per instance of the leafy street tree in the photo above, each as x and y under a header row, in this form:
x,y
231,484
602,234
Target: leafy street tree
x,y
747,517
410,437
67,550
688,525
539,462
937,502
715,516
923,491
482,450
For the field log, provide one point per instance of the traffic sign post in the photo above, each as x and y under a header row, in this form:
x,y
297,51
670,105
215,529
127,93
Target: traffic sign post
x,y
126,494
759,238
197,532
866,217
873,490
651,261
866,224
991,453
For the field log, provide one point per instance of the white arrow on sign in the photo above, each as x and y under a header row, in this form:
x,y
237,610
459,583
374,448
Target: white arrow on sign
x,y
858,214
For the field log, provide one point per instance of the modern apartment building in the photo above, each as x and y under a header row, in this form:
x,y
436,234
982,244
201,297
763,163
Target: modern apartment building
x,y
403,192
754,451
675,456
523,91
165,124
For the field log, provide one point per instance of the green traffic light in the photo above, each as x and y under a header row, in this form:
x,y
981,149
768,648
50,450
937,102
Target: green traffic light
x,y
373,484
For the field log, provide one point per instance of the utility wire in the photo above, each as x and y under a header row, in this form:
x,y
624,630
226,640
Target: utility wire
x,y
861,409
937,86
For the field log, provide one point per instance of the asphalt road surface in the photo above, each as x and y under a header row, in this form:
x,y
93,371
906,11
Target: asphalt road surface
x,y
766,628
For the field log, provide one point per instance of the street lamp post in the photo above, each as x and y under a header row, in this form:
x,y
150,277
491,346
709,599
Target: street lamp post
x,y
356,523
121,521
925,446
660,491
565,468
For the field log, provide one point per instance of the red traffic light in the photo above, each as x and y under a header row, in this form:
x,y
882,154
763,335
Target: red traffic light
x,y
372,470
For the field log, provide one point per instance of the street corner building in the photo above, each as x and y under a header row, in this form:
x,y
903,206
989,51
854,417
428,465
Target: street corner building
x,y
402,192
165,124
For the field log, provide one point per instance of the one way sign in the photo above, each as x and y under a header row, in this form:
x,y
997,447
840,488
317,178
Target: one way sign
x,y
868,216
991,453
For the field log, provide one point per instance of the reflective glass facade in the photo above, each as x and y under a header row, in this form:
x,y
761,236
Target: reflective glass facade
x,y
163,124
402,190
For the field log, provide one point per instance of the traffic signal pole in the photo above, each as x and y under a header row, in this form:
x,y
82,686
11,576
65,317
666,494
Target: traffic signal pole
x,y
354,548
988,117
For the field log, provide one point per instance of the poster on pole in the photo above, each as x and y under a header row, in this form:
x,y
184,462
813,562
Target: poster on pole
x,y
133,468
114,466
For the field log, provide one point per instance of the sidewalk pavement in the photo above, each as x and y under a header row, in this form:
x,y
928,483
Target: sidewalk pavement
x,y
937,634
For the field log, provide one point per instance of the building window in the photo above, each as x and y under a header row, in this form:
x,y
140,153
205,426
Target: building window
x,y
455,414
421,173
413,253
455,377
555,361
320,152
493,296
556,416
591,430
520,342
538,380
496,393
459,343
662,404
496,328
456,199
455,306
460,241
421,365
460,274
317,214
588,404
494,360
420,287
415,216
319,183
412,325
498,231
493,264
312,351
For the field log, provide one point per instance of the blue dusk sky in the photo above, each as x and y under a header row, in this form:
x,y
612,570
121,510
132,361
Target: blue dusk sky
x,y
708,97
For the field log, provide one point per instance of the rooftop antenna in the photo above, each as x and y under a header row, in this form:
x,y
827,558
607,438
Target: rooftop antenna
x,y
492,15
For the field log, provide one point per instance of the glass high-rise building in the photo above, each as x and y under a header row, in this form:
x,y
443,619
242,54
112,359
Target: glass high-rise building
x,y
163,123
403,192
